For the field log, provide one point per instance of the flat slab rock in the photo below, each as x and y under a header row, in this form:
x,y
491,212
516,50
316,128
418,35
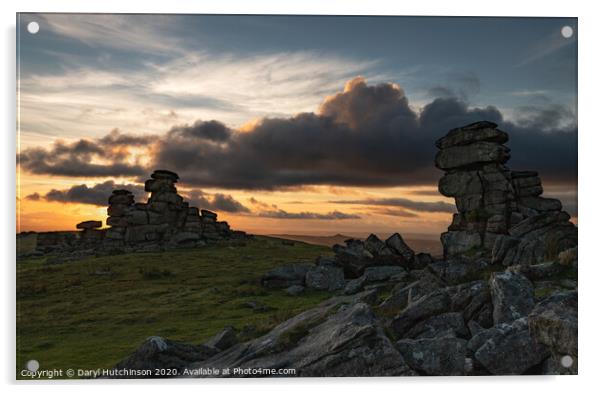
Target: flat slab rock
x,y
334,339
475,132
475,153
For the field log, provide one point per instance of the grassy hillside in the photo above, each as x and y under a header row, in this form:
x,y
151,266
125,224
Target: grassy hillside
x,y
94,312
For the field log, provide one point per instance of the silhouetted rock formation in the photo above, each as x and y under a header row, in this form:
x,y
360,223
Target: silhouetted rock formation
x,y
165,219
499,210
90,234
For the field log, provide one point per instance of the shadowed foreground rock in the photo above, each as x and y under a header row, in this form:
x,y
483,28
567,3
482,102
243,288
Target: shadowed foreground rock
x,y
160,353
334,339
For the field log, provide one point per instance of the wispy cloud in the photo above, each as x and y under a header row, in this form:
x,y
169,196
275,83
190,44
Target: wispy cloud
x,y
141,33
529,93
551,44
228,87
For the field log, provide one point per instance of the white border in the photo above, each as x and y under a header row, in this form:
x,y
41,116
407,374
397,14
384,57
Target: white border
x,y
589,163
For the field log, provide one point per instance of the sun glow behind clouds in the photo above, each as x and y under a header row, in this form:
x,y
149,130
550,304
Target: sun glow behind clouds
x,y
165,82
159,95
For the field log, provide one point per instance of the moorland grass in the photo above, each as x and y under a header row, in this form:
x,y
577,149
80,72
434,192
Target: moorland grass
x,y
93,312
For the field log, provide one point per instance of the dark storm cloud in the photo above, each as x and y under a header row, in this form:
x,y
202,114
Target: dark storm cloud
x,y
204,130
221,202
363,136
458,84
76,159
95,195
334,215
431,207
228,204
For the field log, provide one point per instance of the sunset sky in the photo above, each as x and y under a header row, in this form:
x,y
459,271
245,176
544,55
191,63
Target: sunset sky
x,y
281,124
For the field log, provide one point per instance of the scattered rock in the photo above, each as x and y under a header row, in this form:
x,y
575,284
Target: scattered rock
x,y
295,290
256,306
285,276
358,255
325,278
224,339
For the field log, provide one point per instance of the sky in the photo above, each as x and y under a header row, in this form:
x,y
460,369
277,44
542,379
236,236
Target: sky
x,y
284,124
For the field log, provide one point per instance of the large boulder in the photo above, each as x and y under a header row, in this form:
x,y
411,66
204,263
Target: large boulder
x,y
223,340
476,153
460,183
160,353
435,356
405,293
374,274
512,296
165,174
507,349
460,242
553,322
473,300
442,325
89,224
285,276
435,303
396,243
538,221
325,278
334,339
358,255
474,132
459,270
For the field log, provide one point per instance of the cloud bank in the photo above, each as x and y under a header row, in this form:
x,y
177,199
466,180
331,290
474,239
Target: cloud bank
x,y
365,135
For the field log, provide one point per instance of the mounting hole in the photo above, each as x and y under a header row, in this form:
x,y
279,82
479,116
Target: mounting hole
x,y
566,31
566,361
33,365
33,27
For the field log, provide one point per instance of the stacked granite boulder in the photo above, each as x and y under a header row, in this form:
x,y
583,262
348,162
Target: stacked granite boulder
x,y
120,206
90,233
500,211
165,220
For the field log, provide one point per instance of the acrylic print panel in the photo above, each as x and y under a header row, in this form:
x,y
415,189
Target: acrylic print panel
x,y
295,196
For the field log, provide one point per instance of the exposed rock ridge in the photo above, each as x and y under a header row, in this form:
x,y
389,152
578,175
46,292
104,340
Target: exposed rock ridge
x,y
500,211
